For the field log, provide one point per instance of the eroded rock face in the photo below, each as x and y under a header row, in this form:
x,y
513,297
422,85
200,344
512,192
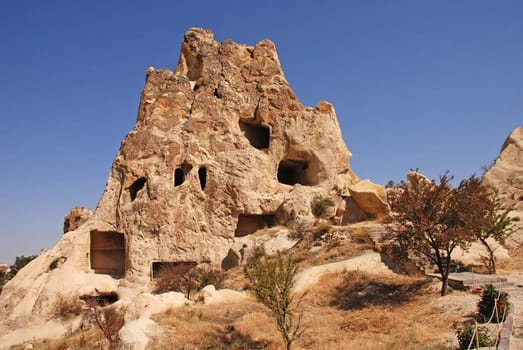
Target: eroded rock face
x,y
221,149
76,218
506,178
371,198
220,138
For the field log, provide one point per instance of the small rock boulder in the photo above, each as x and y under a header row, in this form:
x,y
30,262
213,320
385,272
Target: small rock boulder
x,y
76,218
370,197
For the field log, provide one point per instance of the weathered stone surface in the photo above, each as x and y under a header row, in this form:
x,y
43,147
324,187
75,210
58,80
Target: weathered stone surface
x,y
371,198
506,178
226,117
221,149
76,218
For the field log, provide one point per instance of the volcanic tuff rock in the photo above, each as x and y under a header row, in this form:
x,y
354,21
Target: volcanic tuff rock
x,y
506,178
221,148
76,218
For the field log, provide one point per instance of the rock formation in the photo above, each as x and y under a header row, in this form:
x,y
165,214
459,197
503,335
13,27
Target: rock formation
x,y
506,178
76,218
221,148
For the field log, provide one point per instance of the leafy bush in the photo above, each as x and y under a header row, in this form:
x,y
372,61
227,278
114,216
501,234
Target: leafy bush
x,y
20,262
467,335
272,282
488,305
320,206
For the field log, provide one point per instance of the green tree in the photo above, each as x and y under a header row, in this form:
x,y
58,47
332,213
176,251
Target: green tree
x,y
498,226
272,282
20,262
493,305
432,219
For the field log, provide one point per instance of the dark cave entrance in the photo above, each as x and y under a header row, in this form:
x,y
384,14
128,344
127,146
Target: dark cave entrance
x,y
136,187
258,135
108,252
292,172
250,223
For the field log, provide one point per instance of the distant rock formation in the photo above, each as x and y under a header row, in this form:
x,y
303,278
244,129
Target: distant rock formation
x,y
506,178
76,218
221,148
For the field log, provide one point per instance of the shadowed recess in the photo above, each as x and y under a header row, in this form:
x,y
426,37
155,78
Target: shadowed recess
x,y
136,187
108,252
249,223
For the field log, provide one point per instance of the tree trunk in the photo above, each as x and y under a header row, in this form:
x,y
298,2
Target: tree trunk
x,y
444,270
289,344
444,284
492,258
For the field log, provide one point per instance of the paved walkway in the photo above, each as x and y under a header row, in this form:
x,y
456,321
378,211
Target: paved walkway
x,y
516,297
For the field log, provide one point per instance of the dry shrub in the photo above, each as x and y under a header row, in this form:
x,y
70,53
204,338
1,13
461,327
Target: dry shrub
x,y
241,325
186,279
80,340
109,320
361,236
67,306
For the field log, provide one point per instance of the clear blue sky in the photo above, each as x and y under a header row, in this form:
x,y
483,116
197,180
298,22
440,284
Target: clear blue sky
x,y
431,84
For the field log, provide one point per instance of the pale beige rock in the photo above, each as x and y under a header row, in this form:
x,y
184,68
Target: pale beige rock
x,y
221,148
210,295
226,114
371,198
506,178
76,218
476,253
145,305
135,335
370,262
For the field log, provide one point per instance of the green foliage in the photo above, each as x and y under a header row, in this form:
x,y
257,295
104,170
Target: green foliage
x,y
20,262
320,205
499,226
272,282
467,335
487,306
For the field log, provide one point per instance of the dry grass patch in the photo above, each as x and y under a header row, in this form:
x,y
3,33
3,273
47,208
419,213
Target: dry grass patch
x,y
238,326
333,244
359,311
80,340
67,306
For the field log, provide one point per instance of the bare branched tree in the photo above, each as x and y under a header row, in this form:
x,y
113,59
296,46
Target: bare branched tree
x,y
272,282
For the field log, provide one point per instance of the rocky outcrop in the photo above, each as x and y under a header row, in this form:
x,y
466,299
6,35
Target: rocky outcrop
x,y
371,198
221,145
505,177
221,149
76,218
